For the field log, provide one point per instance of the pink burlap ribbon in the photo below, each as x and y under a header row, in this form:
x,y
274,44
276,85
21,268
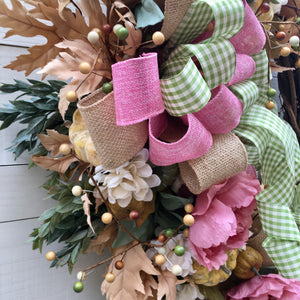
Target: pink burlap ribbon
x,y
137,89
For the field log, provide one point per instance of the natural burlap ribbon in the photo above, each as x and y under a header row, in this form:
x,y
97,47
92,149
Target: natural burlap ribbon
x,y
114,144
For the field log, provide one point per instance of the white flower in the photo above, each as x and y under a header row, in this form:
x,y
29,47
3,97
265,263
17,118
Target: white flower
x,y
277,7
134,179
185,261
187,291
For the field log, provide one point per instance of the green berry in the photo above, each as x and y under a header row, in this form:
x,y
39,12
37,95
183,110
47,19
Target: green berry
x,y
78,287
169,232
271,93
297,21
107,88
122,33
179,250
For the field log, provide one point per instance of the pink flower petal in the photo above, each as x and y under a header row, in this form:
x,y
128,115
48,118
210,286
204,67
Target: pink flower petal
x,y
213,228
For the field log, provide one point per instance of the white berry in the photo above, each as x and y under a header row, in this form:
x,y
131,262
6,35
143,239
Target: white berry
x,y
176,270
294,41
93,37
116,27
76,190
161,250
81,276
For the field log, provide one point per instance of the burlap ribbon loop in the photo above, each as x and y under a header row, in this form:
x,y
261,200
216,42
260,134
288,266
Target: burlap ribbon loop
x,y
114,144
226,158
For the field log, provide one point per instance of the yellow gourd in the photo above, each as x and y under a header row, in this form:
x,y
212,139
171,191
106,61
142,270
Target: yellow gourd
x,y
214,277
81,139
249,262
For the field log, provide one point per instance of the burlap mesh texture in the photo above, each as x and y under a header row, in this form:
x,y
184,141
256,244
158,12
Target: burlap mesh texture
x,y
226,158
114,144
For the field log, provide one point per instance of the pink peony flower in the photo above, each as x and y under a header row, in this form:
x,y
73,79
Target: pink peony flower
x,y
222,218
270,287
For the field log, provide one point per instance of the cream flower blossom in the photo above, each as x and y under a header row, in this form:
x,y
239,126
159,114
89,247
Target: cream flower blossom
x,y
133,179
185,261
187,291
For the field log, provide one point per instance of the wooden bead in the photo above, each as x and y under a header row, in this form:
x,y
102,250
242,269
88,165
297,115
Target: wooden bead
x,y
158,38
159,259
189,208
110,277
270,105
50,255
119,265
186,232
71,96
85,68
188,220
106,218
285,51
297,64
64,149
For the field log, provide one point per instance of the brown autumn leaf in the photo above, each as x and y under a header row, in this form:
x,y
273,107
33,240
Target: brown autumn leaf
x,y
167,285
134,39
104,239
150,286
27,24
53,140
93,11
59,165
62,5
278,68
66,66
86,208
128,280
290,10
119,11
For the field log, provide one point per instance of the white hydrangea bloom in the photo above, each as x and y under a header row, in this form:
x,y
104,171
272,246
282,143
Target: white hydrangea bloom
x,y
277,7
134,179
187,291
185,261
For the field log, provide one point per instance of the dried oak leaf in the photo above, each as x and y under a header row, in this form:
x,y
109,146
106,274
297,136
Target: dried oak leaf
x,y
26,23
62,5
167,282
93,11
104,239
134,39
53,140
86,208
66,66
59,165
128,280
150,286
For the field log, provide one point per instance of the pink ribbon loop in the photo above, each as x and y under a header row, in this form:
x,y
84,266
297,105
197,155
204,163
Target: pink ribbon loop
x,y
137,89
251,39
170,141
223,111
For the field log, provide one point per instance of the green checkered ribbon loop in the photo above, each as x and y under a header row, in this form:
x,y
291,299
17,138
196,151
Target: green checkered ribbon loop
x,y
184,89
272,147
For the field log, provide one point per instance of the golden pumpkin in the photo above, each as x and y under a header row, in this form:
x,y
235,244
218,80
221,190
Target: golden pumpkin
x,y
214,277
81,139
249,262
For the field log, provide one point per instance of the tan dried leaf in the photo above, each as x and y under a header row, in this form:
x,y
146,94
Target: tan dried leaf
x,y
53,140
66,66
150,286
104,239
92,9
279,69
86,208
119,11
59,165
129,281
62,5
134,39
167,285
26,23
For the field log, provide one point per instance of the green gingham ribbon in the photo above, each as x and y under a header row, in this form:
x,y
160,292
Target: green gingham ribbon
x,y
273,148
184,89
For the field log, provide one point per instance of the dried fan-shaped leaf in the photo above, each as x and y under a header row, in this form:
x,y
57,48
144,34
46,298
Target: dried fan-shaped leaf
x,y
86,208
150,286
129,281
61,7
67,66
59,165
104,239
25,23
53,140
167,285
